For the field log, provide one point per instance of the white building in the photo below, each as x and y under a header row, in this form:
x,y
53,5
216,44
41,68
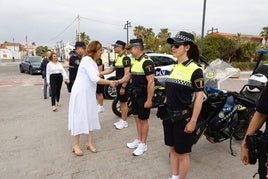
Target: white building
x,y
5,54
11,50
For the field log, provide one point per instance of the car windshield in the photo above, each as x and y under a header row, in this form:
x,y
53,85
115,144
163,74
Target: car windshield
x,y
162,61
34,59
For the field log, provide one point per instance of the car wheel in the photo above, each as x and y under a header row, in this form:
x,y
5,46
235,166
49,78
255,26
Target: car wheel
x,y
109,92
31,70
21,69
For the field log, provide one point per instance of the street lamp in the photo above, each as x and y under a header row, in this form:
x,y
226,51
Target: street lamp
x,y
203,26
126,26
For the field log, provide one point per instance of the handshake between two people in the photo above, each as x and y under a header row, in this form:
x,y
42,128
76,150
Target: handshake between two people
x,y
113,83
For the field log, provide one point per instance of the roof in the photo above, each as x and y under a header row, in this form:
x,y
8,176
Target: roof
x,y
228,35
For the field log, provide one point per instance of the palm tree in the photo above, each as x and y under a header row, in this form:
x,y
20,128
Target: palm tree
x,y
264,33
84,37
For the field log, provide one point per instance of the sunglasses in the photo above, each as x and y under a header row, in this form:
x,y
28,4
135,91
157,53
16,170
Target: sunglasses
x,y
176,45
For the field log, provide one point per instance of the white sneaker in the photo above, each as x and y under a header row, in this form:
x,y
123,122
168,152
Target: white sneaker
x,y
100,109
140,149
116,123
133,144
121,125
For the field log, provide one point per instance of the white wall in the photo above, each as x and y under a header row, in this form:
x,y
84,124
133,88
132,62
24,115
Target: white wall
x,y
5,54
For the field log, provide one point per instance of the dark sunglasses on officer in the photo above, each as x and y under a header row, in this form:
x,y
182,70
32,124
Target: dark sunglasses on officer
x,y
176,45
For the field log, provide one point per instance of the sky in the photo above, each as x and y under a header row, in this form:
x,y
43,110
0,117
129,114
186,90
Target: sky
x,y
48,22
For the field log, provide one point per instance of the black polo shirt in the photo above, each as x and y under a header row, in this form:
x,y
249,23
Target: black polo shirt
x,y
140,81
119,71
180,93
262,107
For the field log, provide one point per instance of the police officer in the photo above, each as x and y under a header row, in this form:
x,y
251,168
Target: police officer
x,y
74,62
185,81
258,119
142,87
121,65
99,91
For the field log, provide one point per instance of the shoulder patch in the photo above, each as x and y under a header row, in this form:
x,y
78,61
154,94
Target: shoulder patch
x,y
77,62
199,83
149,68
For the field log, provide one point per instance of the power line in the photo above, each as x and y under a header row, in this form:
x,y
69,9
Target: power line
x,y
62,31
86,18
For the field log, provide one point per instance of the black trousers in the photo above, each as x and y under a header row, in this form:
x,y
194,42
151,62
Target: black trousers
x,y
55,85
262,170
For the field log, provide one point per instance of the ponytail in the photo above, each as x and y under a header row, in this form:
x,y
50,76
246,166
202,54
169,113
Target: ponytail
x,y
193,52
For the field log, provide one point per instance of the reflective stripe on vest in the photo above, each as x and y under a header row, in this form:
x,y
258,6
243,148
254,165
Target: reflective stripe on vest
x,y
119,61
182,74
136,68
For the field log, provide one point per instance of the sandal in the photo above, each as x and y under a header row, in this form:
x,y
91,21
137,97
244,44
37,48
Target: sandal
x,y
77,150
54,109
91,148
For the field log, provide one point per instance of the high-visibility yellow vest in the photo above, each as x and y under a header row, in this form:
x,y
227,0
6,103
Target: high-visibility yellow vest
x,y
183,74
136,68
119,61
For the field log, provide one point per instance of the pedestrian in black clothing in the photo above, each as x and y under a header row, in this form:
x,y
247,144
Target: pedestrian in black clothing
x,y
74,62
43,67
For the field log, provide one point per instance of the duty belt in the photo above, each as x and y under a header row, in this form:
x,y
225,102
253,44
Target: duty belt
x,y
177,115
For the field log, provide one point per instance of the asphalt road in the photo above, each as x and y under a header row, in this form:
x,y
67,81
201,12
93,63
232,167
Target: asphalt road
x,y
35,142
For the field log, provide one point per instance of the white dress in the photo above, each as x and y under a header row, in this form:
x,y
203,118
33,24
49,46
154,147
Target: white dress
x,y
83,113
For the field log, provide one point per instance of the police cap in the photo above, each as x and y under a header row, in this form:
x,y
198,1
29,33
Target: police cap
x,y
119,43
181,37
135,42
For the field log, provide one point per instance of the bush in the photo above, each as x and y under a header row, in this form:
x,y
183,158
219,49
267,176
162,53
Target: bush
x,y
244,66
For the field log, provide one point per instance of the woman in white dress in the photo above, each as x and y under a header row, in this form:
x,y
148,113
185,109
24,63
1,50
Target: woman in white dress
x,y
83,112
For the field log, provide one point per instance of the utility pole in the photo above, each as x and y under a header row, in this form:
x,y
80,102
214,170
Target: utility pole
x,y
212,30
13,56
26,45
203,27
126,26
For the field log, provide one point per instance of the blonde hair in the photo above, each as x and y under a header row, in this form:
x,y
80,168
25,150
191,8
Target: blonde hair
x,y
92,48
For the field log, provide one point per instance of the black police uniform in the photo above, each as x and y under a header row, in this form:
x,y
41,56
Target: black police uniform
x,y
74,62
140,68
262,107
121,62
100,87
184,79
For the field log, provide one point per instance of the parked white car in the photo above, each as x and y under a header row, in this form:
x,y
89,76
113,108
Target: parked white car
x,y
163,65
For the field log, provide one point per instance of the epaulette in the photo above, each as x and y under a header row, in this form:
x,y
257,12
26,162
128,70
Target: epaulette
x,y
189,62
145,56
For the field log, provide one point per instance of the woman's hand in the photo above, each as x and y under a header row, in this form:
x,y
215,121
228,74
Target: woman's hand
x,y
67,80
113,84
